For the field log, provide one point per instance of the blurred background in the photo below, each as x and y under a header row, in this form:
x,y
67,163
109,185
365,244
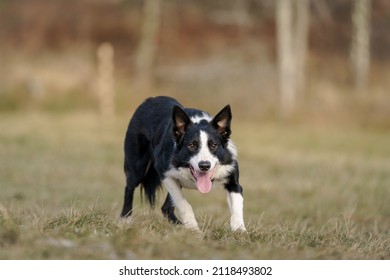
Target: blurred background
x,y
322,60
308,82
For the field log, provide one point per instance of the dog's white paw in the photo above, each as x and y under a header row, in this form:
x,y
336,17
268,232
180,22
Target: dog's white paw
x,y
126,221
237,223
193,226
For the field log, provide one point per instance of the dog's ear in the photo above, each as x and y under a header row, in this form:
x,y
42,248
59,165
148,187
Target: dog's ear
x,y
180,122
221,122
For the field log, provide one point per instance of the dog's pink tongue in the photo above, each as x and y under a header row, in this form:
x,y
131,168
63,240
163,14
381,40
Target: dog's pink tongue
x,y
203,181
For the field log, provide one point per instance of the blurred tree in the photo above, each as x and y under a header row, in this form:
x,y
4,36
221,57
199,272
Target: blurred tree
x,y
301,43
285,56
147,47
105,84
241,13
360,46
292,19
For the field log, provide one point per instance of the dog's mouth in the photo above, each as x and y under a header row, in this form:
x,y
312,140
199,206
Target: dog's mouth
x,y
204,180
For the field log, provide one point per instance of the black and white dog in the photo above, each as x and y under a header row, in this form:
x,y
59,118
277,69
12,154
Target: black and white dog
x,y
178,147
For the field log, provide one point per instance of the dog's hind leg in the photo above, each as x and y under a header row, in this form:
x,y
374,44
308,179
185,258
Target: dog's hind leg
x,y
128,199
136,163
134,176
168,210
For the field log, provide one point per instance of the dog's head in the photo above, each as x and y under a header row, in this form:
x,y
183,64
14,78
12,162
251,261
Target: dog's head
x,y
203,145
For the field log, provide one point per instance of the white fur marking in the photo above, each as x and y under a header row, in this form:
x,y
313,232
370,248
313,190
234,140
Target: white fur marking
x,y
204,153
232,149
223,171
199,118
183,176
236,206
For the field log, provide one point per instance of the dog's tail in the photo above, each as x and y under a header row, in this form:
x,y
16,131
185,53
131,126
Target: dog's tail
x,y
150,183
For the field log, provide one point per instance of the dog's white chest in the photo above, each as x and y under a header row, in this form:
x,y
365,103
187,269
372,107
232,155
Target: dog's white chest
x,y
183,176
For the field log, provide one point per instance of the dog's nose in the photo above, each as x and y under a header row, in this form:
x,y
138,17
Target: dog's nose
x,y
204,165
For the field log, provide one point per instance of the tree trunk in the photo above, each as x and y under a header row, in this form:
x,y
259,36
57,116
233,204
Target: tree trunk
x,y
360,47
301,43
241,14
292,18
146,52
105,84
287,87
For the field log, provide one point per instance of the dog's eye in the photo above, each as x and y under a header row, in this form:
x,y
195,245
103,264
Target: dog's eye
x,y
213,146
193,146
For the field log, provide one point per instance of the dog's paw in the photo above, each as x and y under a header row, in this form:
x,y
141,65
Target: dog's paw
x,y
192,227
237,224
125,221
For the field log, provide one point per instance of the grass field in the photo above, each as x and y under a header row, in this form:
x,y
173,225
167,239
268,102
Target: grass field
x,y
310,193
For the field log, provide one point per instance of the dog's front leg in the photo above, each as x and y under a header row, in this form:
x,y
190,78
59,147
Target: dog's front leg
x,y
236,206
186,213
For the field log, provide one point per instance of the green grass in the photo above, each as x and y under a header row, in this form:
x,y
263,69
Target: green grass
x,y
310,193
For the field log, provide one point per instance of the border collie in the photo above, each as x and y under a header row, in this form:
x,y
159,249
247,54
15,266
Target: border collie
x,y
167,144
